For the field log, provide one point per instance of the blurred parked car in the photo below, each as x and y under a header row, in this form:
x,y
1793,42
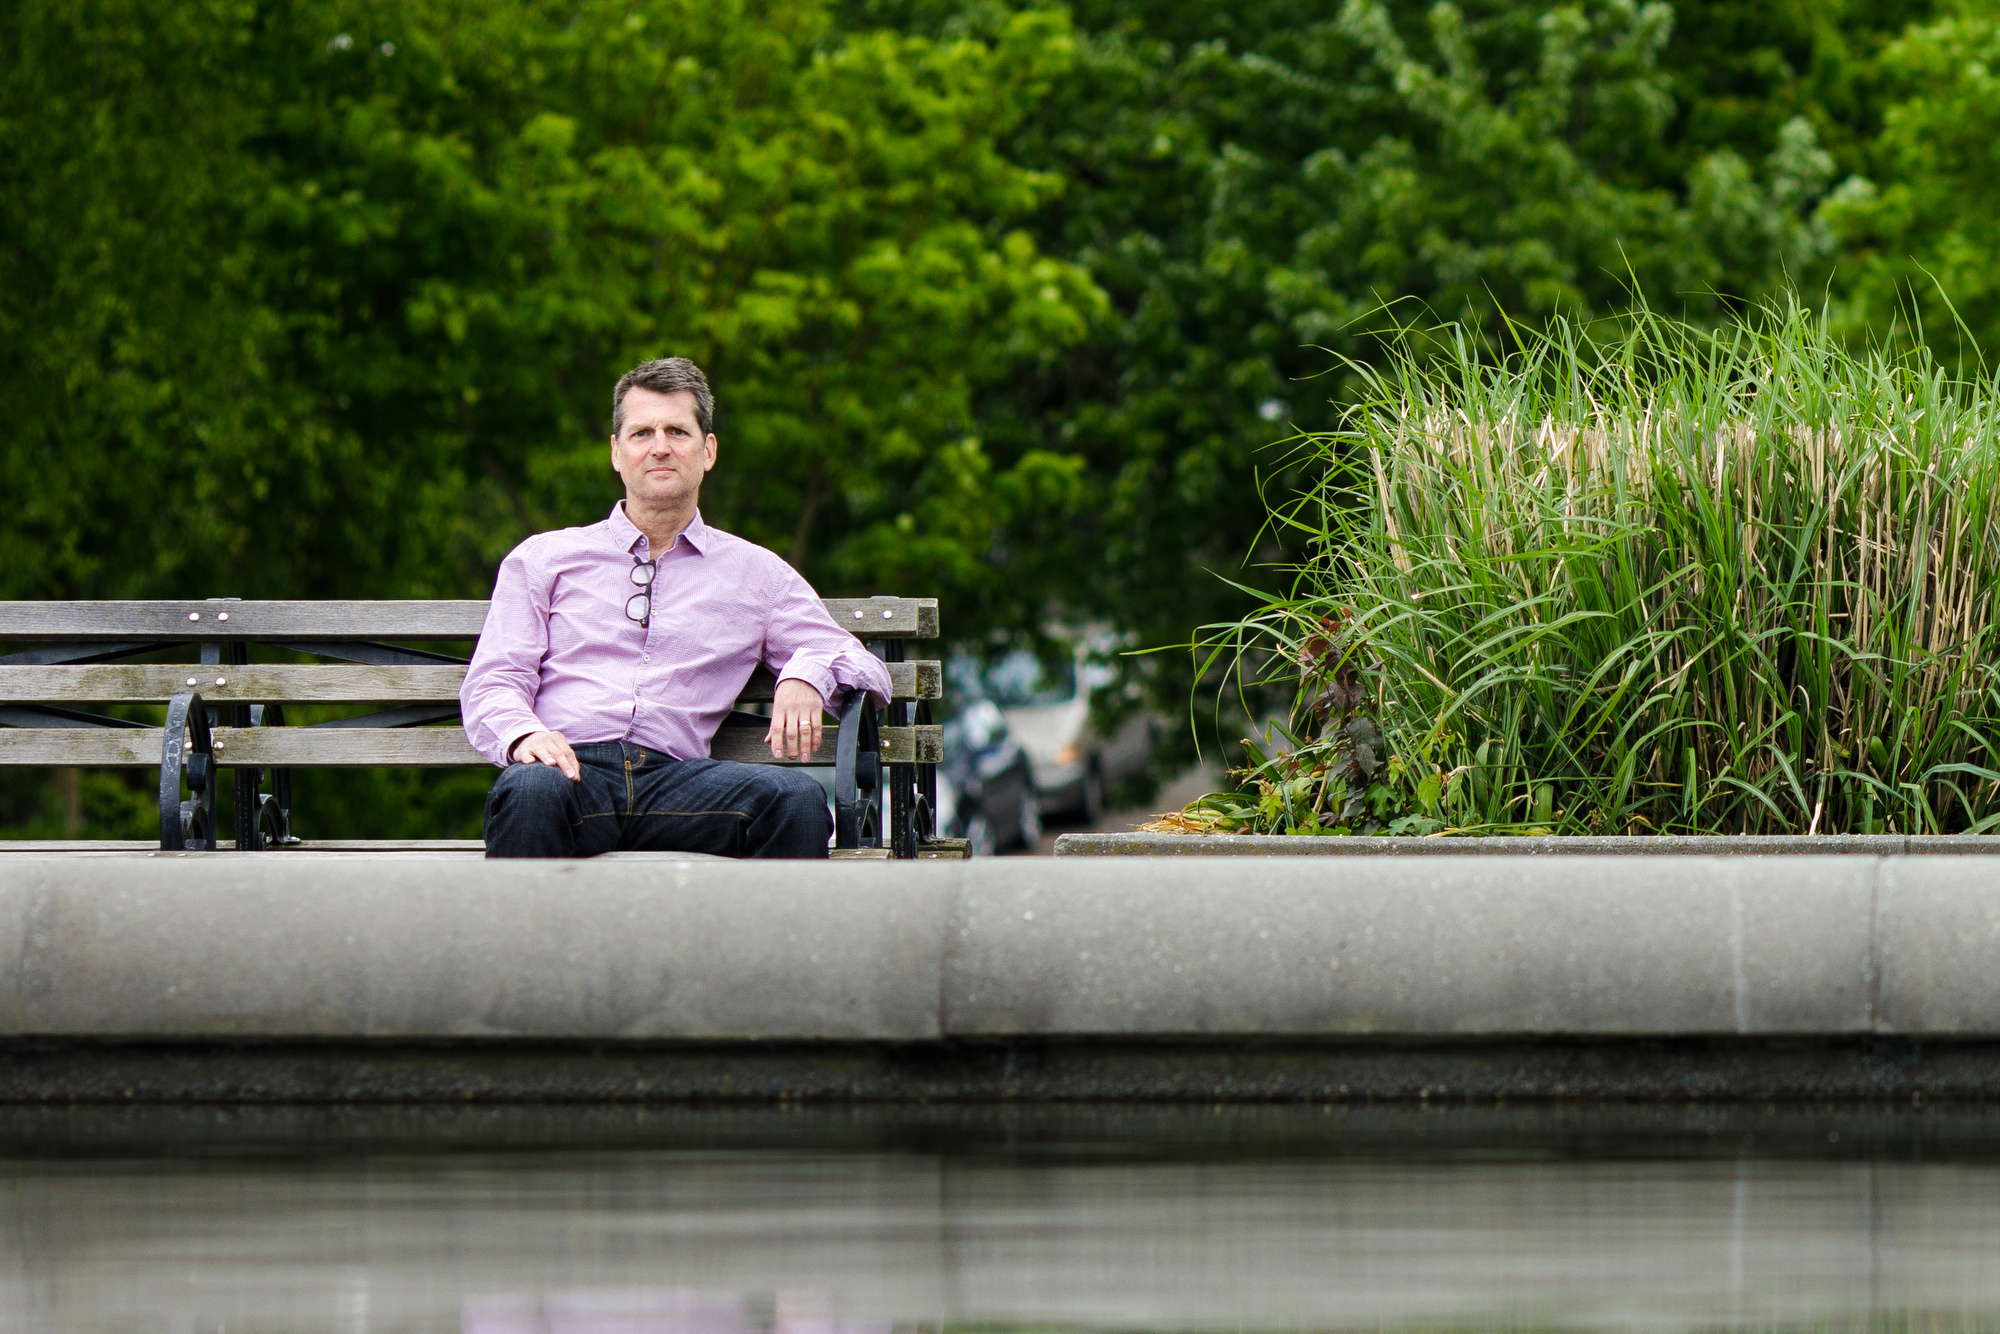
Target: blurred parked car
x,y
985,784
1075,763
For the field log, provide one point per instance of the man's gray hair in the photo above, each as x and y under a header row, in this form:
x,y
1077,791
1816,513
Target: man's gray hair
x,y
668,375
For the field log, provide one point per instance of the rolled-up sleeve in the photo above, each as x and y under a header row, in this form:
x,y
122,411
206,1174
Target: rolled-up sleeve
x,y
803,643
497,698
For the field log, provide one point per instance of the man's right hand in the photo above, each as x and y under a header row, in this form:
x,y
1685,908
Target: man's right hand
x,y
548,748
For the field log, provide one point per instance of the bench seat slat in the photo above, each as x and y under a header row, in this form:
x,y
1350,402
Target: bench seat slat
x,y
347,748
936,849
150,847
179,622
315,683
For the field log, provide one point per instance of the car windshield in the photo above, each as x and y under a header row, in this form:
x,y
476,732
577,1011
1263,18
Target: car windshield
x,y
1020,679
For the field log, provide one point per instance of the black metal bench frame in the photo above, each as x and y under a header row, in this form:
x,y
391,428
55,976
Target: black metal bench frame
x,y
885,784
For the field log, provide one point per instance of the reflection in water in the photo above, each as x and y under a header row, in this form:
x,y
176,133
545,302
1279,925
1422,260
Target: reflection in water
x,y
645,1312
729,1223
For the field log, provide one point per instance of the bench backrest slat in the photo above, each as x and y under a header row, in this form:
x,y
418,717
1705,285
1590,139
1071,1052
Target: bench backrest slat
x,y
180,622
907,681
258,683
886,618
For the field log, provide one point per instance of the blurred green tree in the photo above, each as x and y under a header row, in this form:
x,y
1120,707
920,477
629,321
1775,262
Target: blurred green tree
x,y
1920,253
314,297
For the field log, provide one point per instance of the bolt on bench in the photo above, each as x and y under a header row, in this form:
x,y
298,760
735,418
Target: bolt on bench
x,y
225,712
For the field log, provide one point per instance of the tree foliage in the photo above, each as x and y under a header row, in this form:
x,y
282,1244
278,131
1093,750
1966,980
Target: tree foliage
x,y
1919,240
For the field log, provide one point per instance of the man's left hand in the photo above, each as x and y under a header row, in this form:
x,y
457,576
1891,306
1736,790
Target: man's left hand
x,y
797,721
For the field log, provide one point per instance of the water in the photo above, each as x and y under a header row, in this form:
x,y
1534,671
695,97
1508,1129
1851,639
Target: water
x,y
594,1221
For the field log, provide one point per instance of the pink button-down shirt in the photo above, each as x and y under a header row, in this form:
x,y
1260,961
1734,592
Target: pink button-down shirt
x,y
558,652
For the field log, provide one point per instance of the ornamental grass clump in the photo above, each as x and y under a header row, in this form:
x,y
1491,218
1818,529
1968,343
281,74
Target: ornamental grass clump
x,y
1676,582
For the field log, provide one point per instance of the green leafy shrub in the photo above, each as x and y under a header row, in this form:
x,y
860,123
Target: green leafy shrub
x,y
1662,581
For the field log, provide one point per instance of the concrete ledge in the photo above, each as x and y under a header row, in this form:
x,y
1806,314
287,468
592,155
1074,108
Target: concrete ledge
x,y
291,945
1749,845
1415,946
240,977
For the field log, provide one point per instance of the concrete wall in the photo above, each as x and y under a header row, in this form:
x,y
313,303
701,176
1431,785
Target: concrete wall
x,y
338,947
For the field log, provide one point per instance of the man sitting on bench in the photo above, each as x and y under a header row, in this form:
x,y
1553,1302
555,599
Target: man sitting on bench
x,y
612,653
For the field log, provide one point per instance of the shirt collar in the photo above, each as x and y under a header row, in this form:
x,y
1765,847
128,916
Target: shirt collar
x,y
626,533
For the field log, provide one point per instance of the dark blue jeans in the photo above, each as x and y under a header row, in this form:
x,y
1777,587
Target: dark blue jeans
x,y
633,800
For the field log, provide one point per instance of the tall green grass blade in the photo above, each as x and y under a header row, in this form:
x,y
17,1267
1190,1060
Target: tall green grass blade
x,y
1645,578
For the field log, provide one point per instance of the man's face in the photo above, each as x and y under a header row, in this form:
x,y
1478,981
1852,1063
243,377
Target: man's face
x,y
661,451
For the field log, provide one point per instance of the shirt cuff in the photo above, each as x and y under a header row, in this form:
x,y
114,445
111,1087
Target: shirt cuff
x,y
510,730
817,675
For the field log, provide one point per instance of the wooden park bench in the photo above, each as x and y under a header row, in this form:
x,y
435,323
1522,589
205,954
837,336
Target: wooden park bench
x,y
225,712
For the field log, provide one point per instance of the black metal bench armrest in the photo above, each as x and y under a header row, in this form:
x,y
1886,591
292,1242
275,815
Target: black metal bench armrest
x,y
857,775
187,750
